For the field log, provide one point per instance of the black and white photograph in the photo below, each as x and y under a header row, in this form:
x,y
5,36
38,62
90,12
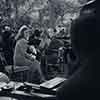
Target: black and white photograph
x,y
49,49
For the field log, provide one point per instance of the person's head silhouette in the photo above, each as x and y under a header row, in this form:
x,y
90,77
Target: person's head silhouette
x,y
84,35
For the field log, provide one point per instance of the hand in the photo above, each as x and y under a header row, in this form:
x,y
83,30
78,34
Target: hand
x,y
32,49
33,57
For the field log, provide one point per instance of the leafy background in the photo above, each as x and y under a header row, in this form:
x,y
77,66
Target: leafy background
x,y
45,13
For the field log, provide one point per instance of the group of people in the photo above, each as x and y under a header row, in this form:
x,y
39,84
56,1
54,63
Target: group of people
x,y
30,47
84,83
26,49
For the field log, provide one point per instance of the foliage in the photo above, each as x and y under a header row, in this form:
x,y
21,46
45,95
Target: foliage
x,y
22,11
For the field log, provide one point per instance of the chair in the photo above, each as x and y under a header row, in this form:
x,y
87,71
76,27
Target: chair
x,y
17,73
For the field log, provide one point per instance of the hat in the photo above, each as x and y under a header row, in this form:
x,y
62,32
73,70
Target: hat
x,y
90,3
88,7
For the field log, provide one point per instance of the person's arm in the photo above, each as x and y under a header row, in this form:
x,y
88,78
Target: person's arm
x,y
21,48
32,53
30,56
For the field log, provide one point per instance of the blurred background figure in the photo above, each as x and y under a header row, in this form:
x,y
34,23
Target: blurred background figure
x,y
84,82
8,37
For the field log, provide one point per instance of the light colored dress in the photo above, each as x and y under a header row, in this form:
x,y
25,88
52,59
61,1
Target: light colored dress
x,y
20,59
4,78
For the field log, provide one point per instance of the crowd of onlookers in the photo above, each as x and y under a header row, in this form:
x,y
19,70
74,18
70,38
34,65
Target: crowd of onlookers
x,y
34,47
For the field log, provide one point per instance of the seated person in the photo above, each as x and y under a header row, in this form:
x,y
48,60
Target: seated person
x,y
22,58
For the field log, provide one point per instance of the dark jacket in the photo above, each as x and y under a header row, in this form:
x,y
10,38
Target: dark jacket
x,y
84,84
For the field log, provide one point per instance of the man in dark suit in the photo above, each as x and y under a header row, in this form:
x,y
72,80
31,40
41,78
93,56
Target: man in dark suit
x,y
85,35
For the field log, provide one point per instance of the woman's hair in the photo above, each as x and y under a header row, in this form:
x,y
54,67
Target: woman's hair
x,y
21,32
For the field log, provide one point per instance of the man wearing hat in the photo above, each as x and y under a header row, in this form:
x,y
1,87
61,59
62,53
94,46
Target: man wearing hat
x,y
84,84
